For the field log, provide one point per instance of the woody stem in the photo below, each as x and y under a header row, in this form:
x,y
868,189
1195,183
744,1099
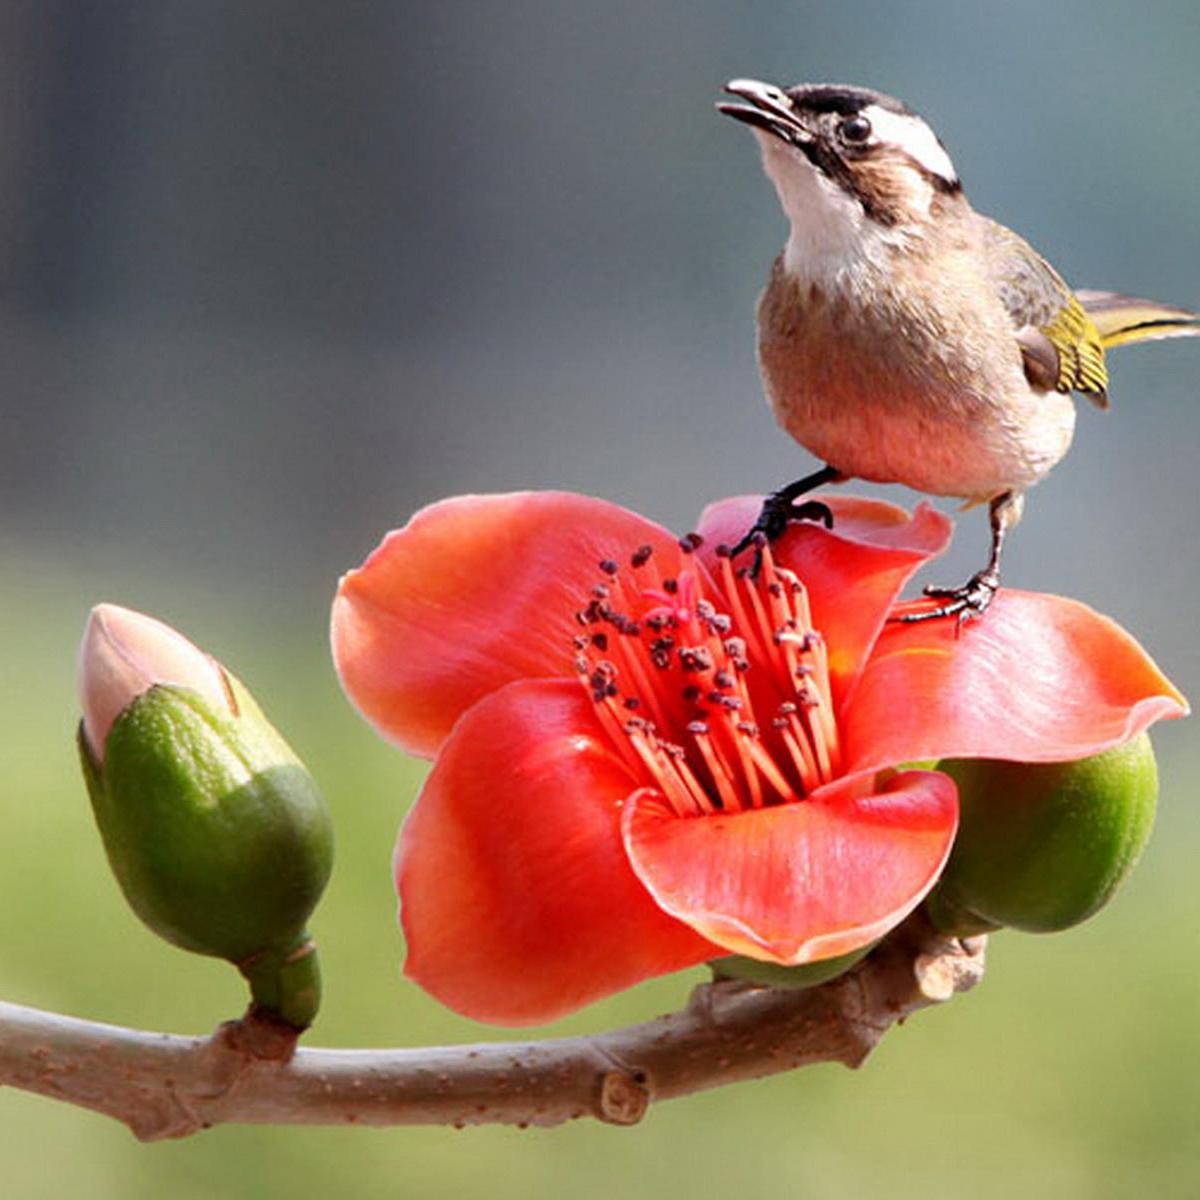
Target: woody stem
x,y
164,1085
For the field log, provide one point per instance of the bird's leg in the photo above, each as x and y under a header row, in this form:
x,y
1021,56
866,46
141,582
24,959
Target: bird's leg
x,y
977,593
780,509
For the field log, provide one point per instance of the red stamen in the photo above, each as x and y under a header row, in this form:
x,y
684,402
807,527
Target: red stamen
x,y
698,673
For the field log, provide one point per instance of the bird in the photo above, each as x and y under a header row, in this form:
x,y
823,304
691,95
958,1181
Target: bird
x,y
905,338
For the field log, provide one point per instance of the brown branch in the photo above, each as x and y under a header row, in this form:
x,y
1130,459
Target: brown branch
x,y
163,1085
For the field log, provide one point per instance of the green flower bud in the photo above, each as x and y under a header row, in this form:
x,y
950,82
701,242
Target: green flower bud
x,y
1043,846
767,974
213,827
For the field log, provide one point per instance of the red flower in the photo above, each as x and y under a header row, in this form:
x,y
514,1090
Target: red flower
x,y
646,759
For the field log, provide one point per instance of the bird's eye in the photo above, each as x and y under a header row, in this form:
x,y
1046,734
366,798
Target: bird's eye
x,y
855,129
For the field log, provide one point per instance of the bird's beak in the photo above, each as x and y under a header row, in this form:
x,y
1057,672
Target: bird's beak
x,y
769,108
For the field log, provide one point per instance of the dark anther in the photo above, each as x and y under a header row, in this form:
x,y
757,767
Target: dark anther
x,y
722,550
600,592
608,566
720,624
600,641
690,542
695,658
612,689
735,647
691,692
705,610
632,702
733,703
641,556
775,589
670,586
723,679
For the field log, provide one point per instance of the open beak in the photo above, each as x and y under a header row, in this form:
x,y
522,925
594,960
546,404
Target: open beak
x,y
769,109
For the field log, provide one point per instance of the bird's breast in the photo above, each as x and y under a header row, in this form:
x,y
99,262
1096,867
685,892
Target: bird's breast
x,y
894,389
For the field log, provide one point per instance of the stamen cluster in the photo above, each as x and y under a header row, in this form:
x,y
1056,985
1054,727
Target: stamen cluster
x,y
713,683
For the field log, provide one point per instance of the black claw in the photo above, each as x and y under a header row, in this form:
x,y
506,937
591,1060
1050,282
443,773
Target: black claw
x,y
813,510
779,510
966,602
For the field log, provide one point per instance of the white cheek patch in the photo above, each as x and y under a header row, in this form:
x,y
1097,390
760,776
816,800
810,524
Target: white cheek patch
x,y
909,133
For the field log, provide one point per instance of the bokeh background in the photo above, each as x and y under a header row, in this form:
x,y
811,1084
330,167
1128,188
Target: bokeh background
x,y
275,274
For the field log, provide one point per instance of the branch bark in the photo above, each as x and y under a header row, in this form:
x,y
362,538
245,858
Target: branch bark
x,y
163,1085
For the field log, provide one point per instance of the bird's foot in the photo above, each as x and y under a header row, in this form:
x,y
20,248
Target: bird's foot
x,y
779,510
965,603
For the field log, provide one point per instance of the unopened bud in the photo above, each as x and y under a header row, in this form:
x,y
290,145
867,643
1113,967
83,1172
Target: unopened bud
x,y
125,653
214,829
1043,846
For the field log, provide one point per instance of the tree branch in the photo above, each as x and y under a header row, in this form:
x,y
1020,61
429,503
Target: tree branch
x,y
163,1085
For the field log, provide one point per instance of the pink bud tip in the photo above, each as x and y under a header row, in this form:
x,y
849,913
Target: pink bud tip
x,y
125,653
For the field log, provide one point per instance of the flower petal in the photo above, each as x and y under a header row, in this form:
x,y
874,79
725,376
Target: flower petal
x,y
517,899
802,881
853,572
1036,678
472,593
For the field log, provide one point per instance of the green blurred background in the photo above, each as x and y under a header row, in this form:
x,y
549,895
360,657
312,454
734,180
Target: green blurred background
x,y
275,274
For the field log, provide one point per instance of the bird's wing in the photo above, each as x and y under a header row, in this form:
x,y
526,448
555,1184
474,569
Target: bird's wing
x,y
1060,344
1123,319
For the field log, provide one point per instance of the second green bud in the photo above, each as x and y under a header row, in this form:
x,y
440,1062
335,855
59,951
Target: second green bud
x,y
1043,846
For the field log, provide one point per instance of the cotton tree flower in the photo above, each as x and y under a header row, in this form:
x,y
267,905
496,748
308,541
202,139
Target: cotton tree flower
x,y
647,757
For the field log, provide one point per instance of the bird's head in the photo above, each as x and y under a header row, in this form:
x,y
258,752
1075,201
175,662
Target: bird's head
x,y
846,161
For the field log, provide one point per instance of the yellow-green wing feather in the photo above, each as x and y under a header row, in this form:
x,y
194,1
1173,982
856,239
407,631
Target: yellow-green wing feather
x,y
1037,297
1124,319
1080,349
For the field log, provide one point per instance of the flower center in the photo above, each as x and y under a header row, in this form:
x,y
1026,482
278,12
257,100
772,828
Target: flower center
x,y
713,683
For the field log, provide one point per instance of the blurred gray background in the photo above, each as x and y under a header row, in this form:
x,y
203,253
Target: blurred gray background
x,y
275,274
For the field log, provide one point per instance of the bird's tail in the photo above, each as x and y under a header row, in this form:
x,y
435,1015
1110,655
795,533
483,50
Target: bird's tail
x,y
1123,319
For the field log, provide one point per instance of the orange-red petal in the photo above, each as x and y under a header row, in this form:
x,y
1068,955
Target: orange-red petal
x,y
853,572
516,896
1036,678
473,593
802,881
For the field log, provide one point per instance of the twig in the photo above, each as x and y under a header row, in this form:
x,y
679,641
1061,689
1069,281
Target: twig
x,y
163,1085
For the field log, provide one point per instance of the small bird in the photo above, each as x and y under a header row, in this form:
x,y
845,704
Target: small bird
x,y
905,338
